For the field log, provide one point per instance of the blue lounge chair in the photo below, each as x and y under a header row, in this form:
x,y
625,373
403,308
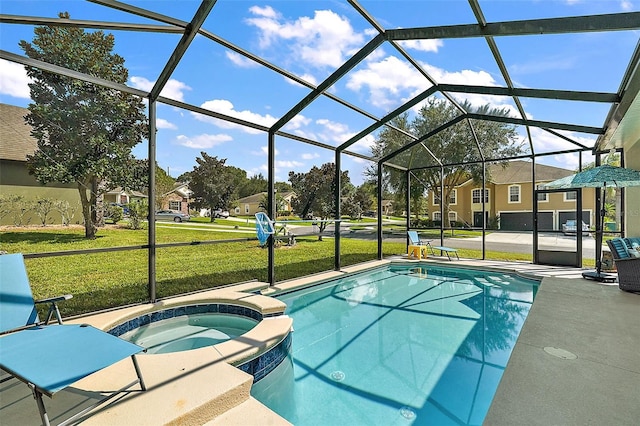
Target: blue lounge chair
x,y
50,358
414,239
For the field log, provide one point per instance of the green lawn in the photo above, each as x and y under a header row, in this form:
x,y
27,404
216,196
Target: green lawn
x,y
105,280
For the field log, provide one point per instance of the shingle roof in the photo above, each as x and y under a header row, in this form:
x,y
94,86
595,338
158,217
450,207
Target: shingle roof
x,y
255,198
15,135
520,171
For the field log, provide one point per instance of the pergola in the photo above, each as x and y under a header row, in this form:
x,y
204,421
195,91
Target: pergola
x,y
612,133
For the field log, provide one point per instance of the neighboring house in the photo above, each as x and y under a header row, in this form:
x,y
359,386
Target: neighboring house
x,y
509,197
250,205
123,196
15,144
387,207
178,198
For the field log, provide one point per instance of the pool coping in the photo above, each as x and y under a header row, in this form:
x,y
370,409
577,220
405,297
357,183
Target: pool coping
x,y
179,395
189,390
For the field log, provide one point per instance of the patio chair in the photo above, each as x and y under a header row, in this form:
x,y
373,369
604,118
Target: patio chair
x,y
413,238
628,266
417,248
266,227
50,358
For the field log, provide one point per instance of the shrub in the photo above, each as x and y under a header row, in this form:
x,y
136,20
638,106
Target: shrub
x,y
138,211
114,213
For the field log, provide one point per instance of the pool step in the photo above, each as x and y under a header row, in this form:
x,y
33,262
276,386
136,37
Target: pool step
x,y
181,390
249,412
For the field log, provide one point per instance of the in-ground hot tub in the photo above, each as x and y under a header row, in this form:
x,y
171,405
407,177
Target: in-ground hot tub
x,y
217,324
191,331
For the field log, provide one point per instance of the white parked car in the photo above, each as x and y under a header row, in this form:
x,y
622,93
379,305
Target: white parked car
x,y
570,227
221,213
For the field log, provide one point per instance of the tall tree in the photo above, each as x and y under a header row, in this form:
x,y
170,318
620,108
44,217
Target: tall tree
x,y
85,132
358,201
394,180
164,185
213,184
315,192
254,185
455,147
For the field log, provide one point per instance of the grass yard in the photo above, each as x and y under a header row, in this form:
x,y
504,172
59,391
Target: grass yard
x,y
111,279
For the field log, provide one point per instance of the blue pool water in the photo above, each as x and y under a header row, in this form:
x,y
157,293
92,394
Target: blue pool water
x,y
188,332
402,345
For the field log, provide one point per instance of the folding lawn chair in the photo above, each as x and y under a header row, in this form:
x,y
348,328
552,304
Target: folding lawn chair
x,y
50,358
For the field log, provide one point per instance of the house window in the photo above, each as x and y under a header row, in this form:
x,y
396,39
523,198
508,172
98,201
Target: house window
x,y
453,197
175,205
544,196
437,216
246,208
435,199
453,216
514,194
476,196
570,195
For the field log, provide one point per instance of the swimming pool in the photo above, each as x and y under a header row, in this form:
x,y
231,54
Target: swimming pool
x,y
401,345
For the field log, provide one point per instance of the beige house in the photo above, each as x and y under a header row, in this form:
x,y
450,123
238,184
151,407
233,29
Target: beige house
x,y
250,205
123,196
16,143
509,198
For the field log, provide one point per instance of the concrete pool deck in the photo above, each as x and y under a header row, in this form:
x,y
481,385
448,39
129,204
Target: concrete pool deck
x,y
570,316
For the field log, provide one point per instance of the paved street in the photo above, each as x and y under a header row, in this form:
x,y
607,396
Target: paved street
x,y
516,242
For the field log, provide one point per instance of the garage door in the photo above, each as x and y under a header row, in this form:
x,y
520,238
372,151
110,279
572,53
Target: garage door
x,y
523,221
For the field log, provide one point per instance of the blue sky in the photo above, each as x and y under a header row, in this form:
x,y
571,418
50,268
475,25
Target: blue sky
x,y
311,39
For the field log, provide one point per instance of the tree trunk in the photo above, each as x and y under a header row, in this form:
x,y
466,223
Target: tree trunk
x,y
89,226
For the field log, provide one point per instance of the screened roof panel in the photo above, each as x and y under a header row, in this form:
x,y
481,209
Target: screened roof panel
x,y
411,13
504,63
381,83
309,39
475,66
593,62
545,141
496,11
567,112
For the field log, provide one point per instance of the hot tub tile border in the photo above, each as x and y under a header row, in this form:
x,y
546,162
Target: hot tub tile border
x,y
258,367
167,313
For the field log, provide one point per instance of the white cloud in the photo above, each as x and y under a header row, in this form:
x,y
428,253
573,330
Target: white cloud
x,y
324,40
290,164
225,107
391,81
240,60
204,141
387,80
263,151
298,122
423,45
307,77
161,123
309,156
544,141
626,5
174,89
14,80
363,145
267,11
333,131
